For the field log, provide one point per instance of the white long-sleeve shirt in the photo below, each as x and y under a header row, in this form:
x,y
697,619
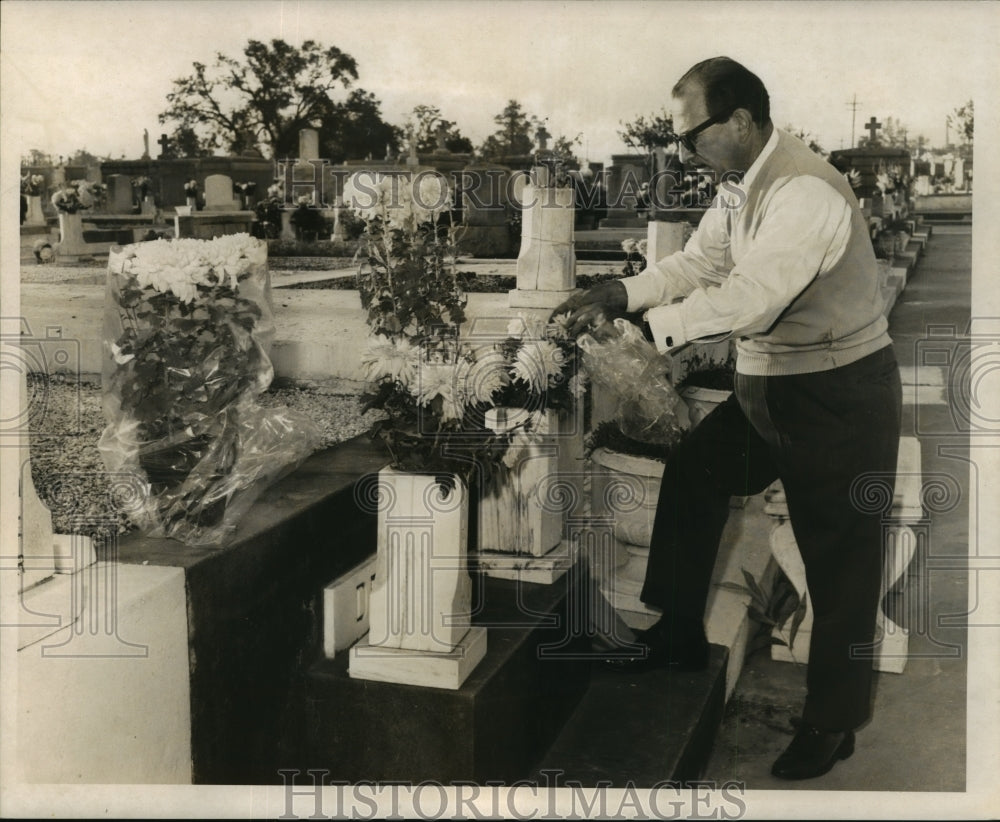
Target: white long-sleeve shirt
x,y
728,282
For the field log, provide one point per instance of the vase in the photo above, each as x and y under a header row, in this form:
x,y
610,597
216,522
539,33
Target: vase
x,y
420,608
515,518
422,597
71,244
702,401
35,215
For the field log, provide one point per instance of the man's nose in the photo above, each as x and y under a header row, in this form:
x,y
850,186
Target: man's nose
x,y
685,155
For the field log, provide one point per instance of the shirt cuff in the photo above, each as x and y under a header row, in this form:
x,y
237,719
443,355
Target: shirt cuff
x,y
643,290
667,326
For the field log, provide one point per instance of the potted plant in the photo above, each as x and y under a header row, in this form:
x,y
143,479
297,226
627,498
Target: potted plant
x,y
268,213
421,376
309,221
185,359
707,378
190,198
32,186
629,452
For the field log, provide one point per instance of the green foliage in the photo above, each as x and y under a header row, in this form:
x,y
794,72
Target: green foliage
x,y
354,129
609,435
191,360
263,99
962,119
309,222
645,135
517,134
781,607
268,214
424,125
408,283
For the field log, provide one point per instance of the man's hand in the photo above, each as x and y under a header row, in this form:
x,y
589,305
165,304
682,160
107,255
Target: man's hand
x,y
592,308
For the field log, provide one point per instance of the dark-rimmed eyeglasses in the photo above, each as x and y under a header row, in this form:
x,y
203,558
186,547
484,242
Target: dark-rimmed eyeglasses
x,y
687,139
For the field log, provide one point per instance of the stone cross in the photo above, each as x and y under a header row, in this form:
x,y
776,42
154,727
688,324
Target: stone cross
x,y
873,126
164,143
543,138
442,135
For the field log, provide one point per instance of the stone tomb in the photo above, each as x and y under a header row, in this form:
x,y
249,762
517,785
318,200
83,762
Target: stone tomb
x,y
219,194
223,213
119,194
889,652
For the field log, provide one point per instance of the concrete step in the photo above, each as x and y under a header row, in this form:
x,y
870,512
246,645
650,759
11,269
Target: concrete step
x,y
494,727
641,729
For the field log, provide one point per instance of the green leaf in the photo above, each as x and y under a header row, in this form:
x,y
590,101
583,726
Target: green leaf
x,y
758,616
734,586
799,616
758,592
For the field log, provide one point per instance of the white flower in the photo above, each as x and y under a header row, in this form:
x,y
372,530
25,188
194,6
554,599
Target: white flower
x,y
578,385
558,329
439,380
180,266
481,379
118,357
641,247
395,358
629,246
538,363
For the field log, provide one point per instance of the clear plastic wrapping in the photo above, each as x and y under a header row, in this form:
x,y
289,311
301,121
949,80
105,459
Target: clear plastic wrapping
x,y
629,367
186,332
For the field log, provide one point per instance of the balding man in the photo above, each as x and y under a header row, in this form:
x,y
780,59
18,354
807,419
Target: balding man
x,y
783,263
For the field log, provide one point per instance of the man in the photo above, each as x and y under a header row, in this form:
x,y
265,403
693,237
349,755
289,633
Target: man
x,y
782,261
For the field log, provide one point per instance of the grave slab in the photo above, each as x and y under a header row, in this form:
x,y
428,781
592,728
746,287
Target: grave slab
x,y
497,725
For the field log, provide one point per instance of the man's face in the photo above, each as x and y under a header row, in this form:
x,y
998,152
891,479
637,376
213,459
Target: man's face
x,y
715,145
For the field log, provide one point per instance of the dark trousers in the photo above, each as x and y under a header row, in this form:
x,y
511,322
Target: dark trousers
x,y
818,433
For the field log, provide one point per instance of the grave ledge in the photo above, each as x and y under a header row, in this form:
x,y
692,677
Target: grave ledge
x,y
254,608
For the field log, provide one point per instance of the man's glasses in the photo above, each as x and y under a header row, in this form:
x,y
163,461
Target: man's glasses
x,y
687,139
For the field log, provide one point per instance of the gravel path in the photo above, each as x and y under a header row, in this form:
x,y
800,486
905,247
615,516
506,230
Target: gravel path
x,y
66,421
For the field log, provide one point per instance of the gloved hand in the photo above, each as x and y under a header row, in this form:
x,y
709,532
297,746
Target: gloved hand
x,y
590,309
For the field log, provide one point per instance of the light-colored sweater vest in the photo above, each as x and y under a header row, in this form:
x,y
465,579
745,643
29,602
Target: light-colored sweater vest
x,y
837,319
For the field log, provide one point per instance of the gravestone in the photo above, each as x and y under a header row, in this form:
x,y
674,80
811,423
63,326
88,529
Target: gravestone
x,y
119,194
219,193
308,144
546,265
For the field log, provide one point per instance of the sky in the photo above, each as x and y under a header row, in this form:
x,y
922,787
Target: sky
x,y
94,73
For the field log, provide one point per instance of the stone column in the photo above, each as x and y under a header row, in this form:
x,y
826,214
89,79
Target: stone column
x,y
71,244
35,215
546,266
421,602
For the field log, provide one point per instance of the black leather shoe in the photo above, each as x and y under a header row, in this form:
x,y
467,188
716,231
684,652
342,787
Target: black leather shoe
x,y
653,650
812,753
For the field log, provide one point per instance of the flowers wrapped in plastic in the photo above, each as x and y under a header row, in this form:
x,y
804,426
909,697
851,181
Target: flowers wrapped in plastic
x,y
630,368
187,325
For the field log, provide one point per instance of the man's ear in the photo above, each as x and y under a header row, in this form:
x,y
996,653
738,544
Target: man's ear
x,y
745,122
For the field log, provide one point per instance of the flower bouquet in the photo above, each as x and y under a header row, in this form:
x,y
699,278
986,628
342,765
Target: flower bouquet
x,y
186,328
435,389
32,185
71,198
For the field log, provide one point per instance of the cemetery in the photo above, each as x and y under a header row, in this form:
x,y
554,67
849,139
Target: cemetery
x,y
375,608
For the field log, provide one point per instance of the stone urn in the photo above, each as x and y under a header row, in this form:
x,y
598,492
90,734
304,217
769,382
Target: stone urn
x,y
702,401
625,490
